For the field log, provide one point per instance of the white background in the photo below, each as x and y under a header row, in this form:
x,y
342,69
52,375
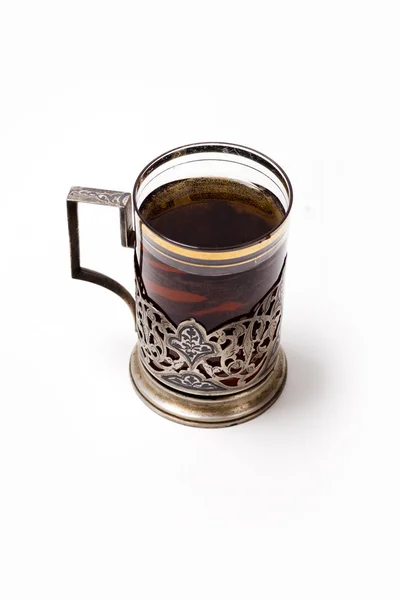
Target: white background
x,y
101,498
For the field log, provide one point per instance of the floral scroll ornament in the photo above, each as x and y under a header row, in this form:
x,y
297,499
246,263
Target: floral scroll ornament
x,y
190,342
231,358
193,382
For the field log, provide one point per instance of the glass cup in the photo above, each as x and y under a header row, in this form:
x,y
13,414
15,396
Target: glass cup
x,y
208,320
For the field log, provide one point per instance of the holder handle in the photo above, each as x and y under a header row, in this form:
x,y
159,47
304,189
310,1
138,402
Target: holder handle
x,y
120,200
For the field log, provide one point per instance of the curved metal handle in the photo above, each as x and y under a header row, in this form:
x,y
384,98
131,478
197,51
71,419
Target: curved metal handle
x,y
121,200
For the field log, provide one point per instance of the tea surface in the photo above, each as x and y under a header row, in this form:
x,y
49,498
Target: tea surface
x,y
212,212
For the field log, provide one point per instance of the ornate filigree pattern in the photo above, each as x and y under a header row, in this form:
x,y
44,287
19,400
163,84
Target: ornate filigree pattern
x,y
228,359
192,382
96,196
190,342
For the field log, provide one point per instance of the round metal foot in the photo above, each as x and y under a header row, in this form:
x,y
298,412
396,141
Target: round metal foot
x,y
208,412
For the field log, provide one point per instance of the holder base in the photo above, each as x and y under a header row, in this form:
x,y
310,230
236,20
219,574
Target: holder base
x,y
222,411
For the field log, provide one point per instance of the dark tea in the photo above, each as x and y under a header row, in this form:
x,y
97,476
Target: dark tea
x,y
210,214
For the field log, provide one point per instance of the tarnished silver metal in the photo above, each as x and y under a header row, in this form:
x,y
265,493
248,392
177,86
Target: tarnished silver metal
x,y
232,358
210,412
120,200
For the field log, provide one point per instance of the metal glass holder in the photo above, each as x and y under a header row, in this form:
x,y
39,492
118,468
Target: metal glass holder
x,y
232,372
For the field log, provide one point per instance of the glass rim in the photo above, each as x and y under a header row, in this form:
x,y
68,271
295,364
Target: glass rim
x,y
223,148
